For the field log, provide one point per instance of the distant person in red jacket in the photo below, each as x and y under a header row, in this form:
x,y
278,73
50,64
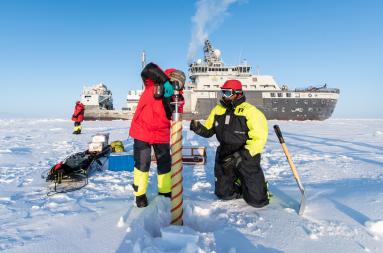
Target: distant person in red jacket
x,y
78,117
150,127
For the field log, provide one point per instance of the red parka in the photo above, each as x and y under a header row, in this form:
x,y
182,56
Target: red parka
x,y
78,115
150,123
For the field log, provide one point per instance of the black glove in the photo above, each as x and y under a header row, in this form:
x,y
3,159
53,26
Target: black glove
x,y
168,107
231,162
194,125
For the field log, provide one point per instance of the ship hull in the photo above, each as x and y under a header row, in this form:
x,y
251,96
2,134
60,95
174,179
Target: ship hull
x,y
94,113
308,106
299,106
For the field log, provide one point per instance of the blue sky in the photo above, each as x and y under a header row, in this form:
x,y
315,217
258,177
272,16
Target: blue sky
x,y
50,49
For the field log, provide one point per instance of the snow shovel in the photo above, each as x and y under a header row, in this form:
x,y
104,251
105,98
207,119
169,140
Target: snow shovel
x,y
293,169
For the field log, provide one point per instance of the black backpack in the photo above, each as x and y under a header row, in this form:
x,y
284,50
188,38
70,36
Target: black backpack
x,y
72,166
74,170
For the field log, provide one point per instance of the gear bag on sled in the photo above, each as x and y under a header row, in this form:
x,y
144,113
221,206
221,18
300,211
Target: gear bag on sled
x,y
72,173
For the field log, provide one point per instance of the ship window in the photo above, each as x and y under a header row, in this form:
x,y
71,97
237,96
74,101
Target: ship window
x,y
248,69
288,95
272,94
280,95
255,79
88,96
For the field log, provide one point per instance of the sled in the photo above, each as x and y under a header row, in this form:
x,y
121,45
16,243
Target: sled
x,y
76,177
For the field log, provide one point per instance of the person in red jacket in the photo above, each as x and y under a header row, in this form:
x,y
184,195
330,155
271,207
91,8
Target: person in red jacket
x,y
78,117
150,127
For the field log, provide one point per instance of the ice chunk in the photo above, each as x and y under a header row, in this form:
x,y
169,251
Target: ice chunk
x,y
375,228
179,235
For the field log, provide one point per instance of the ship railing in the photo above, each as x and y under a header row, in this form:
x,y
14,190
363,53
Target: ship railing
x,y
314,89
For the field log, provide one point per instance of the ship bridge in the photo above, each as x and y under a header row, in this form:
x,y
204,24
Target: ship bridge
x,y
211,72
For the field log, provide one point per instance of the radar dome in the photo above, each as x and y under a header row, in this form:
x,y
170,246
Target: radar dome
x,y
199,61
217,53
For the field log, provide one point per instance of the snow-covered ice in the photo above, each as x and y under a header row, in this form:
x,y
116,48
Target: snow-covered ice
x,y
340,162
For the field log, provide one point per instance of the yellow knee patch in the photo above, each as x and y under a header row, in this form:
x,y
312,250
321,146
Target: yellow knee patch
x,y
140,180
164,182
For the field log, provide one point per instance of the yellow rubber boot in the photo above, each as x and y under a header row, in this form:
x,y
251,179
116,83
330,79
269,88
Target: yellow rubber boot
x,y
165,182
140,182
77,129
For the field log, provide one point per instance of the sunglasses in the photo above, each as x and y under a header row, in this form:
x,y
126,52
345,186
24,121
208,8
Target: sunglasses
x,y
227,92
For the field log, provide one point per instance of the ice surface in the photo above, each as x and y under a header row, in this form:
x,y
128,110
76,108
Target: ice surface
x,y
340,163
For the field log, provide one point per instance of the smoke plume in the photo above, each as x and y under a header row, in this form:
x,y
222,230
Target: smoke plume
x,y
209,15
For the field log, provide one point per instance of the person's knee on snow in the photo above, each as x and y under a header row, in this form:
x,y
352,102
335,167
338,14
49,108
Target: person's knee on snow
x,y
224,180
253,183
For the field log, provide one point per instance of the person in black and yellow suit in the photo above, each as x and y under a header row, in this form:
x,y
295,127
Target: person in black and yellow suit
x,y
241,130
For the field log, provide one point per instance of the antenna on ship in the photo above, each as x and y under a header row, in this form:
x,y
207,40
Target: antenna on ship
x,y
143,64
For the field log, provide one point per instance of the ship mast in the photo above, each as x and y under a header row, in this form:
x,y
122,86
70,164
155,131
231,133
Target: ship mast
x,y
143,64
211,54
